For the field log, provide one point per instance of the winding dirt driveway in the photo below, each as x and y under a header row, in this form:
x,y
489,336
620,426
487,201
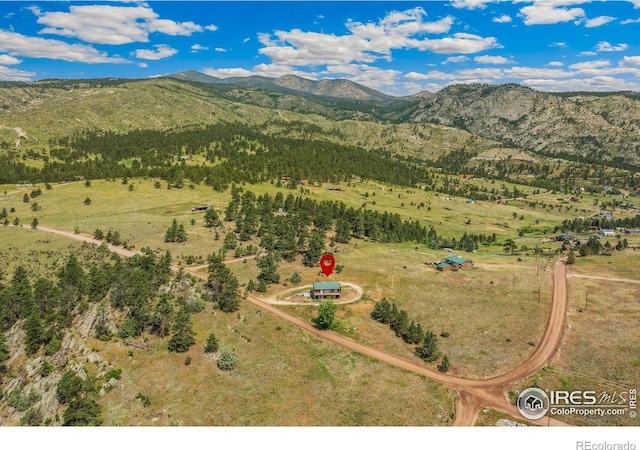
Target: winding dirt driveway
x,y
274,301
473,394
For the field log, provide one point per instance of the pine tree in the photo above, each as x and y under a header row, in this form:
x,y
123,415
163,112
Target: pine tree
x,y
269,269
183,334
212,219
223,284
313,254
428,351
444,365
343,231
212,344
33,331
162,317
172,231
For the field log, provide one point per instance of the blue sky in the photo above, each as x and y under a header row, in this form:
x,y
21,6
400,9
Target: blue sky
x,y
396,47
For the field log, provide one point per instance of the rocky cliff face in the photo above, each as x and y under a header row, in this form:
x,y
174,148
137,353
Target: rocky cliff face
x,y
596,127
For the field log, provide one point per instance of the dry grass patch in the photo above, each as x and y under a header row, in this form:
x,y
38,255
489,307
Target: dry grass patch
x,y
284,377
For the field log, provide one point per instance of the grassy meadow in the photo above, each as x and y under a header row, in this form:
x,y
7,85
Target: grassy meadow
x,y
492,315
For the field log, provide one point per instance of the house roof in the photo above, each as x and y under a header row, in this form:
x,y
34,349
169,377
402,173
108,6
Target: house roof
x,y
324,285
455,260
443,265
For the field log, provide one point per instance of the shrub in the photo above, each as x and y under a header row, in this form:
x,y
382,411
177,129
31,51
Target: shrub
x,y
113,373
228,359
187,361
46,368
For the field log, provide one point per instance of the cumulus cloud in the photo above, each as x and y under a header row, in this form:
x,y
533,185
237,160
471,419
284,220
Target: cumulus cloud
x,y
470,4
455,59
486,59
628,21
502,19
143,65
211,28
220,50
227,73
369,42
604,46
34,47
547,12
195,48
630,61
588,53
556,64
536,72
161,51
597,21
11,74
109,24
593,84
6,60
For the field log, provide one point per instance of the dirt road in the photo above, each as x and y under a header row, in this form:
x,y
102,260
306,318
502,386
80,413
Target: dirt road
x,y
473,394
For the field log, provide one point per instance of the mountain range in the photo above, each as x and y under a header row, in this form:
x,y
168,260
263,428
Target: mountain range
x,y
596,127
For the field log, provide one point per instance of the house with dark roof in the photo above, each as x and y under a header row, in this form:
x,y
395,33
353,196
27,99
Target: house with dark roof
x,y
326,289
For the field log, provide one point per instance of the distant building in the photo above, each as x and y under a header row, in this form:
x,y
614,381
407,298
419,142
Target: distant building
x,y
324,290
606,232
454,263
457,262
200,208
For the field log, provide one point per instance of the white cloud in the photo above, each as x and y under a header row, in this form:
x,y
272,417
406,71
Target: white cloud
x,y
227,73
32,47
481,73
502,19
486,59
220,50
460,43
535,72
594,84
455,59
143,65
211,28
587,65
588,53
628,21
6,60
604,46
245,40
197,48
547,12
630,61
556,64
108,24
558,44
368,42
470,4
10,74
419,76
162,51
597,21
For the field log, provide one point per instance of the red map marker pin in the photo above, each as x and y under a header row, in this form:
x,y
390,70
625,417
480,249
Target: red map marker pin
x,y
327,263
